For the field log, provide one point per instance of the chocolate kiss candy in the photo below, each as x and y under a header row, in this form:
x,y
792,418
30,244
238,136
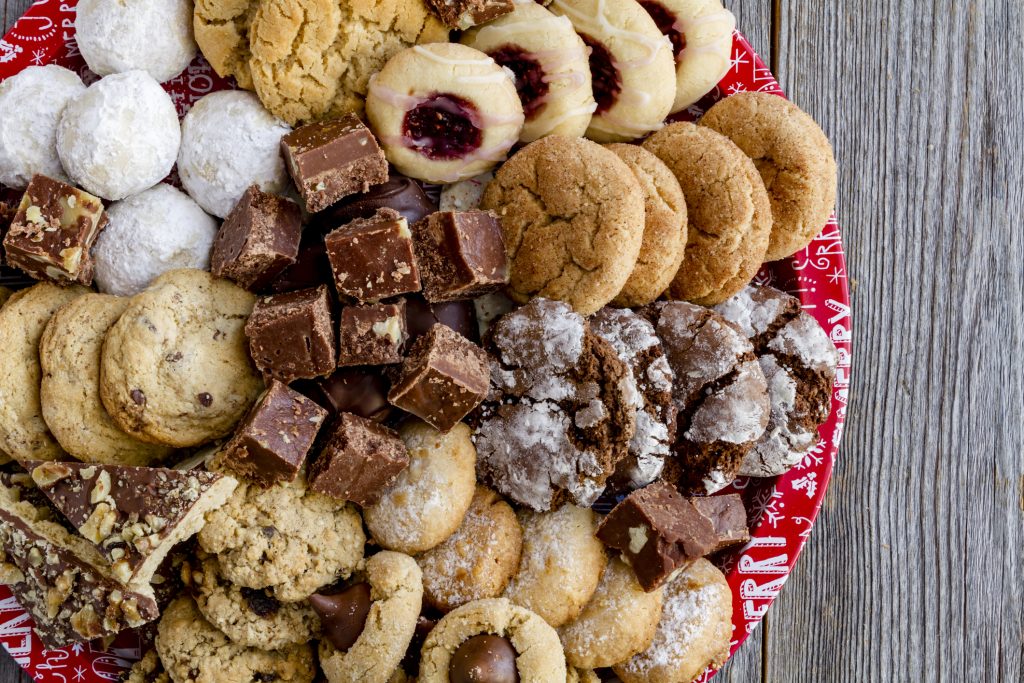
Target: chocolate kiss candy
x,y
343,614
484,659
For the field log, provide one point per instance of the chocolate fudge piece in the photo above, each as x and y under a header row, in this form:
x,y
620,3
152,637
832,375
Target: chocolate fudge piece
x,y
373,334
258,239
53,231
728,516
359,390
291,335
373,258
444,377
462,14
332,159
360,459
270,444
461,254
134,515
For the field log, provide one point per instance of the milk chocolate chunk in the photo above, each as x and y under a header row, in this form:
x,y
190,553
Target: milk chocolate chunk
x,y
462,14
359,460
373,334
359,390
728,516
373,258
343,614
485,658
270,444
258,239
443,379
53,230
461,254
331,159
291,335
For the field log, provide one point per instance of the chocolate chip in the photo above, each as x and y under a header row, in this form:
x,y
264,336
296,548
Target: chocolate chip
x,y
484,659
173,357
269,531
261,677
205,399
343,614
138,397
260,602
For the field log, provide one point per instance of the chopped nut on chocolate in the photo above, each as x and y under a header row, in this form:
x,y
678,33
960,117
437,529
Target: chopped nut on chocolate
x,y
461,254
359,460
291,335
372,334
373,258
462,14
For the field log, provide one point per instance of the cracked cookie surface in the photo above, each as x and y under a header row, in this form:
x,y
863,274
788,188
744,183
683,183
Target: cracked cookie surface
x,y
222,31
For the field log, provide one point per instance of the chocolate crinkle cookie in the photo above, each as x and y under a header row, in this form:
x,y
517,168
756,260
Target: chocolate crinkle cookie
x,y
719,390
561,412
799,362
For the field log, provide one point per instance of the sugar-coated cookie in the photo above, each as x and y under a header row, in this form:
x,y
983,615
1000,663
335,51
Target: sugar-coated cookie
x,y
727,206
444,112
550,64
793,156
222,32
573,217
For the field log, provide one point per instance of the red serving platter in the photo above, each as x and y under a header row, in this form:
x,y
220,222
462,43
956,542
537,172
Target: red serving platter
x,y
781,510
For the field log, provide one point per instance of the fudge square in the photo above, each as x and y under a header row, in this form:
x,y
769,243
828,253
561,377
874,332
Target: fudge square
x,y
372,334
361,457
462,14
291,336
461,254
373,258
53,230
258,240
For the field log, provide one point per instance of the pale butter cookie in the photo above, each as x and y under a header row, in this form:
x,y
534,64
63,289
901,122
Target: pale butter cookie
x,y
222,32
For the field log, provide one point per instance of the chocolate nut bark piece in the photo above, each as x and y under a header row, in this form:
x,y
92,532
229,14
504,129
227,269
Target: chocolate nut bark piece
x,y
373,334
462,14
291,336
360,459
134,515
258,239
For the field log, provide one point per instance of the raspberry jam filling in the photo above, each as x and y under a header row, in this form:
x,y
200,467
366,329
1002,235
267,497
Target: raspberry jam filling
x,y
443,127
530,83
604,75
666,22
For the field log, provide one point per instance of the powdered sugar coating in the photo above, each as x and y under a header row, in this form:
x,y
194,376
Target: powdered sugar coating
x,y
803,337
149,234
229,142
120,136
152,35
752,315
31,103
734,414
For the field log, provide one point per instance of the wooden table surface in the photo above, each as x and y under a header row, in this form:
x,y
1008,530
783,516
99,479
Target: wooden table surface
x,y
913,572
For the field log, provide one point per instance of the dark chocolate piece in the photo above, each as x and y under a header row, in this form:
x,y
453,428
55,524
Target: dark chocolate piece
x,y
411,660
332,159
420,316
485,658
53,231
358,390
463,14
461,254
291,335
404,195
728,516
270,444
343,615
373,258
444,378
359,460
373,334
311,268
258,239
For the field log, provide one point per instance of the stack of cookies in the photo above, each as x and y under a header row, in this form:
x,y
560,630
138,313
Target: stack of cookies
x,y
428,371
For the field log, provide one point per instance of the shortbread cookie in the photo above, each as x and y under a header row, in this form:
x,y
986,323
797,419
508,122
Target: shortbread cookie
x,y
286,538
396,596
665,225
23,431
222,32
799,362
694,631
312,59
561,563
194,651
617,623
727,206
444,112
631,65
550,64
478,560
573,217
175,369
492,640
426,502
794,158
69,356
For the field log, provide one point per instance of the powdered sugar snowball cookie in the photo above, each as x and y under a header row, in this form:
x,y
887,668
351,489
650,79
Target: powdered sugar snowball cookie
x,y
631,66
444,112
148,234
720,392
427,501
152,35
229,142
799,361
120,136
694,631
550,64
31,103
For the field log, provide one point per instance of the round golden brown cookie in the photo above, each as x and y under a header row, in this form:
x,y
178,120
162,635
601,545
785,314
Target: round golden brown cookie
x,y
314,58
479,559
517,636
728,210
694,631
69,355
222,32
794,158
664,227
147,670
192,650
175,367
23,432
617,623
573,217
